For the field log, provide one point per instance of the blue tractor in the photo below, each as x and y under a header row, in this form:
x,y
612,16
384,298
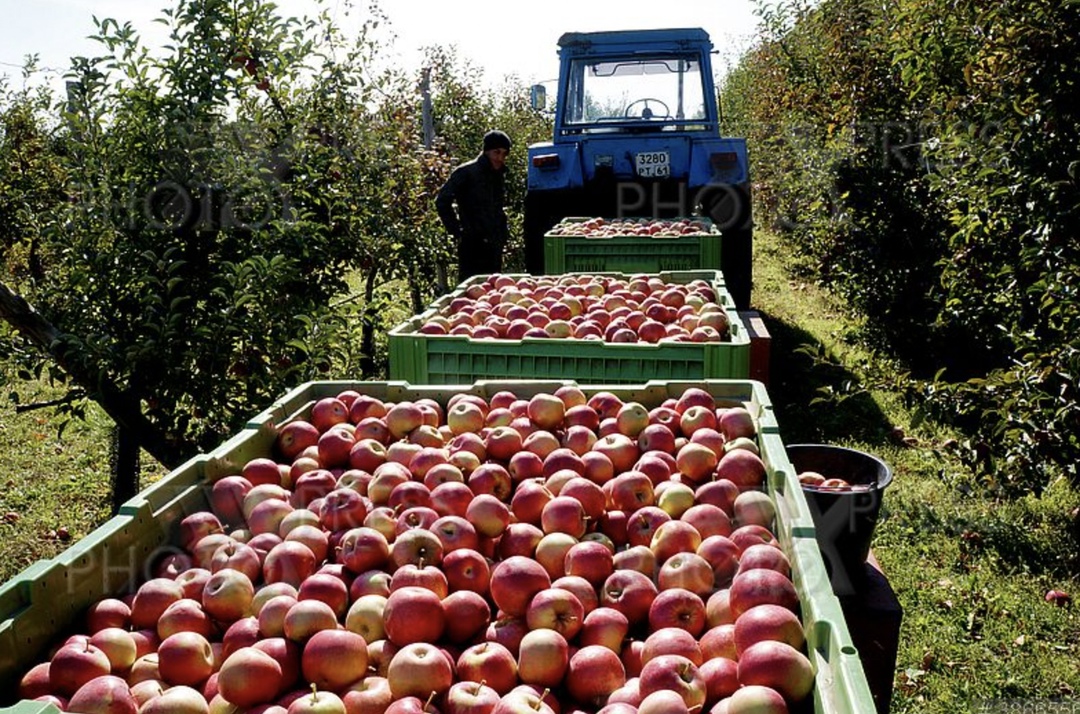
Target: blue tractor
x,y
637,134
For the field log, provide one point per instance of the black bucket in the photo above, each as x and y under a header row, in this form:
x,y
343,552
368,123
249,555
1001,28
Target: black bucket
x,y
844,519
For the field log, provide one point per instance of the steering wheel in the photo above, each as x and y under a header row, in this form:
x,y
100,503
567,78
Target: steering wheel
x,y
647,113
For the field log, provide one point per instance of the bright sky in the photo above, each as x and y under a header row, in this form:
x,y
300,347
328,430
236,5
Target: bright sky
x,y
500,37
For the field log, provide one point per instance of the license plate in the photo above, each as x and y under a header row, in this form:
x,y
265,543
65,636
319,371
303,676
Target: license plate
x,y
653,164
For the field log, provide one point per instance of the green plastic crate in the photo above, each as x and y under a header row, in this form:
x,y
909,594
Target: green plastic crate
x,y
630,253
455,359
44,602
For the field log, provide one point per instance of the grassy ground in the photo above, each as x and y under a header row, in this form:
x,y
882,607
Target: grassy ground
x,y
969,572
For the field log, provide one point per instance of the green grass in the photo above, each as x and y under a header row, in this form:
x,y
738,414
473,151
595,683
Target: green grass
x,y
969,571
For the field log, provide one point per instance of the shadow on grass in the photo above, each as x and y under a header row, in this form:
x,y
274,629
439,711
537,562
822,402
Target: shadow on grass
x,y
818,400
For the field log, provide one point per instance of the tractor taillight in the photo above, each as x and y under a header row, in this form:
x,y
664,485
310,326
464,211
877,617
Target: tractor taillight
x,y
546,161
724,160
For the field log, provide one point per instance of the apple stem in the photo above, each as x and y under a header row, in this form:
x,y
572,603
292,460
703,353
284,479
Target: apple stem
x,y
479,685
314,692
430,699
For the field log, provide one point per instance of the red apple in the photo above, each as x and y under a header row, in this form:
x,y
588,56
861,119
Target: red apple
x,y
593,673
514,582
543,657
413,615
419,669
491,663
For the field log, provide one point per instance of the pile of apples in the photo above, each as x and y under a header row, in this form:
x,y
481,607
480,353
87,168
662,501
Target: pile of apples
x,y
601,227
815,481
559,553
637,308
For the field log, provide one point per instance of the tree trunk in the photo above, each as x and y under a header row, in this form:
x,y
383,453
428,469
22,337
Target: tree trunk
x,y
120,405
125,466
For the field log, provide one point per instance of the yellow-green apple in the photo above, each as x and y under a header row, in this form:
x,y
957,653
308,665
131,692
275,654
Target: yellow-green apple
x,y
426,436
523,701
492,479
674,673
108,612
306,617
620,448
365,617
604,626
557,479
289,561
302,516
412,615
370,695
295,436
73,665
696,417
630,490
671,640
185,658
777,665
498,416
752,534
593,673
768,622
581,588
708,520
631,419
514,582
631,593
636,557
571,395
334,659
466,569
556,609
680,608
543,657
695,462
403,417
743,468
384,479
465,417
145,668
107,694
688,571
765,555
176,700
380,652
753,699
228,595
417,546
451,498
551,552
507,631
184,615
467,616
315,702
363,549
418,669
519,539
118,645
761,585
674,498
754,507
489,514
384,520
672,537
718,609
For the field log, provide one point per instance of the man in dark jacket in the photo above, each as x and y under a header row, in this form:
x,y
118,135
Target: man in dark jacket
x,y
475,189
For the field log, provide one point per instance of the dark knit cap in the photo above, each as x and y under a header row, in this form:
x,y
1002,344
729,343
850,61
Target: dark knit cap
x,y
496,140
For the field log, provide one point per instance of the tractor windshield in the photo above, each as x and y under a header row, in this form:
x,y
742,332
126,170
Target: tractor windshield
x,y
666,90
